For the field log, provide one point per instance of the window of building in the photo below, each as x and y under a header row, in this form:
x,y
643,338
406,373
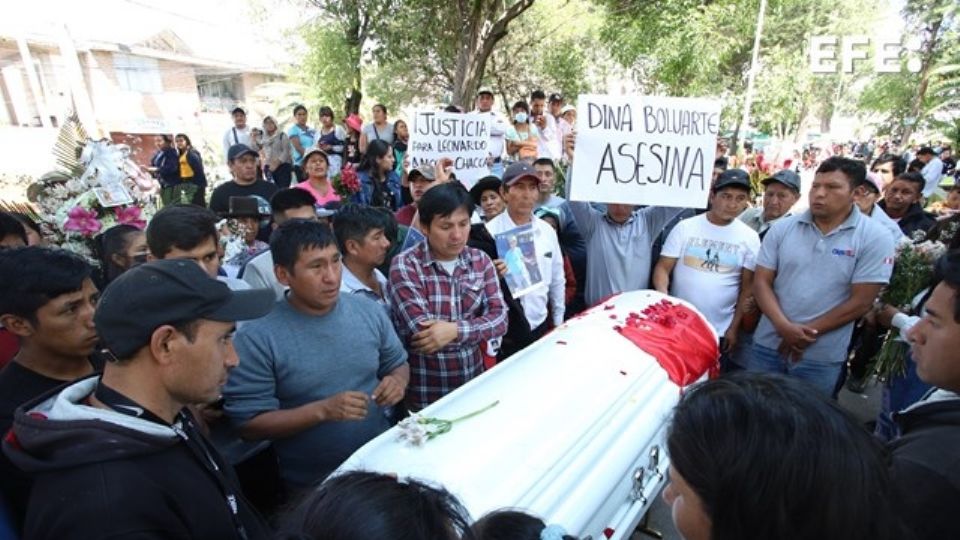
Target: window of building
x,y
217,92
137,73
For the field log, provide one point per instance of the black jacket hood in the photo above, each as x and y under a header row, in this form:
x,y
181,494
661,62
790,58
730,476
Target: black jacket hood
x,y
59,431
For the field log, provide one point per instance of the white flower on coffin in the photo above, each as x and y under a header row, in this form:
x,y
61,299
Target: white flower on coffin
x,y
412,431
417,429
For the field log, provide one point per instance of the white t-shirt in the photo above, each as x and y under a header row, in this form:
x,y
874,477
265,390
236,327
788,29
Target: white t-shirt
x,y
710,259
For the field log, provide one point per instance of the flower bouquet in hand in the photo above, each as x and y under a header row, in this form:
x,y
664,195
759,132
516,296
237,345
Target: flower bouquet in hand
x,y
912,273
346,183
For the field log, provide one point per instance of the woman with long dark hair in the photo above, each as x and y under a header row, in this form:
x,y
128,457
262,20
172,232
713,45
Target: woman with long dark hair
x,y
756,456
379,183
191,171
119,249
401,137
165,167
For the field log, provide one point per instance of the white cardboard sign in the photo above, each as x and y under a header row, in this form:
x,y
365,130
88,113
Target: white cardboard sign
x,y
648,150
464,138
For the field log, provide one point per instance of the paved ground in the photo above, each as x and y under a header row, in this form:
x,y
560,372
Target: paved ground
x,y
863,406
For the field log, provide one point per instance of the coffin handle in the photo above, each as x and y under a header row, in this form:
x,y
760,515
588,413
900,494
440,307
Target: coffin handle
x,y
636,492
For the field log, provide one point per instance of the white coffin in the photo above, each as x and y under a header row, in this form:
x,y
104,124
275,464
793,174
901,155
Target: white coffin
x,y
578,436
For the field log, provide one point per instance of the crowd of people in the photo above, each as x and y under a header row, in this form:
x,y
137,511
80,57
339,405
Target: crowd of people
x,y
188,394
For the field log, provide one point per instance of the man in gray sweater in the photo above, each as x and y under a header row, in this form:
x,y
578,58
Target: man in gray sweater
x,y
315,374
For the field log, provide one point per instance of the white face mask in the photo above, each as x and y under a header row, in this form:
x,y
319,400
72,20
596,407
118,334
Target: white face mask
x,y
520,117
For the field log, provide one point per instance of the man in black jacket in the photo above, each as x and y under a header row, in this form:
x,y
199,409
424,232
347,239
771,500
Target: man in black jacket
x,y
926,464
120,456
901,201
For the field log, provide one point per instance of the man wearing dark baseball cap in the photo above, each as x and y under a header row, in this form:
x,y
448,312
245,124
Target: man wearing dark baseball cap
x,y
521,191
243,162
708,260
780,192
125,445
555,102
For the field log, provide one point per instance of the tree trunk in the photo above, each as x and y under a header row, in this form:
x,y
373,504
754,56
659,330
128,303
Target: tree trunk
x,y
926,56
477,43
357,35
352,104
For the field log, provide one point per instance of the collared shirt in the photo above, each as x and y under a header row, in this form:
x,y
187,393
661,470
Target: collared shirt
x,y
753,217
419,290
618,255
550,264
349,283
815,272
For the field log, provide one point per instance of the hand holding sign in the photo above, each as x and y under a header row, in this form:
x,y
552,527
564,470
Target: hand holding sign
x,y
569,144
443,168
645,150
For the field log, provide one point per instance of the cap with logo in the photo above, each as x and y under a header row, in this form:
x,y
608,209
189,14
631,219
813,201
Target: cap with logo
x,y
732,178
518,171
170,291
555,98
785,177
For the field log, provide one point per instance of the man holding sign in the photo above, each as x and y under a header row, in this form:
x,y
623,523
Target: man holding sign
x,y
636,151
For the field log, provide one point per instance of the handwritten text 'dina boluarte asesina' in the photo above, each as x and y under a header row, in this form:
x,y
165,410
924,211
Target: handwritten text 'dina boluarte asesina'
x,y
648,162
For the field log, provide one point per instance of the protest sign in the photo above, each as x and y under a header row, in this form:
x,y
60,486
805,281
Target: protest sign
x,y
464,138
649,150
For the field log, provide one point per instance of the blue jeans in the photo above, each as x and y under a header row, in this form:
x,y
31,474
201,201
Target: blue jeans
x,y
821,375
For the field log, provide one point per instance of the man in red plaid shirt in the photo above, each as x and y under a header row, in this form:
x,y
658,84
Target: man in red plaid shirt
x,y
445,298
